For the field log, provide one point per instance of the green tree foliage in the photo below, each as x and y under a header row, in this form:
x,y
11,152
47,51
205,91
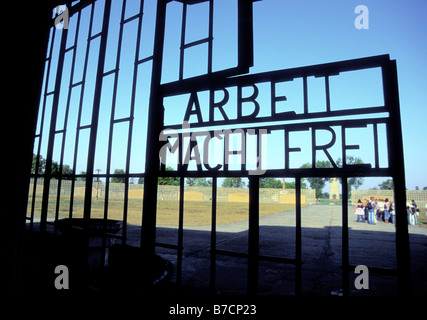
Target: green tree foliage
x,y
318,183
353,182
118,179
170,181
386,185
276,183
198,182
270,183
66,170
83,173
42,164
233,183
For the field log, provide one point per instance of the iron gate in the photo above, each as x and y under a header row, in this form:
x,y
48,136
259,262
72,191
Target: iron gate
x,y
72,85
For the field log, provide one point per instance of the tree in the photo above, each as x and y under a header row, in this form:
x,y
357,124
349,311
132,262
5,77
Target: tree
x,y
82,178
170,181
353,182
66,170
233,183
203,182
276,183
191,182
318,183
386,185
198,182
42,164
118,179
270,183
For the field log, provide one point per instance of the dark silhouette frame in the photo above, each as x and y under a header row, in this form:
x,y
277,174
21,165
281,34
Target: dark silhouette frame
x,y
236,76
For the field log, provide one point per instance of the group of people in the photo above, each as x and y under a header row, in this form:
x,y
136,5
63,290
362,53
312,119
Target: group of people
x,y
374,210
413,213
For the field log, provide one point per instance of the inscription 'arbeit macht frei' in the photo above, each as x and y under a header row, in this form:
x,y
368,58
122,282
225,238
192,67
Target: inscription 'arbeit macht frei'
x,y
246,148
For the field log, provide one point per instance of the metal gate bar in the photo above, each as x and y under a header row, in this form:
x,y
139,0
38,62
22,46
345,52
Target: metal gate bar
x,y
39,135
213,81
54,112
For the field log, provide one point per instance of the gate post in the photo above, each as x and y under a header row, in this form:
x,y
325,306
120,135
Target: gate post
x,y
155,125
396,164
253,235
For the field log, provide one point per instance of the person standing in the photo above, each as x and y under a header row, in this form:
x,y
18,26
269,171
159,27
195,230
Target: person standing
x,y
387,206
371,211
360,213
414,211
393,213
380,212
409,211
375,205
365,208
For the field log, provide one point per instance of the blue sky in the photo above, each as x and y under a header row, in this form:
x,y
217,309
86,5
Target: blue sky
x,y
298,33
286,34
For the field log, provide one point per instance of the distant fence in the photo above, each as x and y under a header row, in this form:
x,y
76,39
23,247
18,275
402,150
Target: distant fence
x,y
166,192
420,196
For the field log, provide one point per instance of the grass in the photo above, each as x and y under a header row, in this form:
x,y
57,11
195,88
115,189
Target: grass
x,y
422,219
327,201
196,213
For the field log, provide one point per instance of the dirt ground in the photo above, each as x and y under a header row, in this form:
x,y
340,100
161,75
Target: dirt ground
x,y
196,213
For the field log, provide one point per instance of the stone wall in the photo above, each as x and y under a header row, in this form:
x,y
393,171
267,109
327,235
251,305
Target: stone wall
x,y
165,192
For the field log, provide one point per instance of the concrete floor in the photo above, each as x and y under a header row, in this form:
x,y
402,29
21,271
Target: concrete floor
x,y
321,274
